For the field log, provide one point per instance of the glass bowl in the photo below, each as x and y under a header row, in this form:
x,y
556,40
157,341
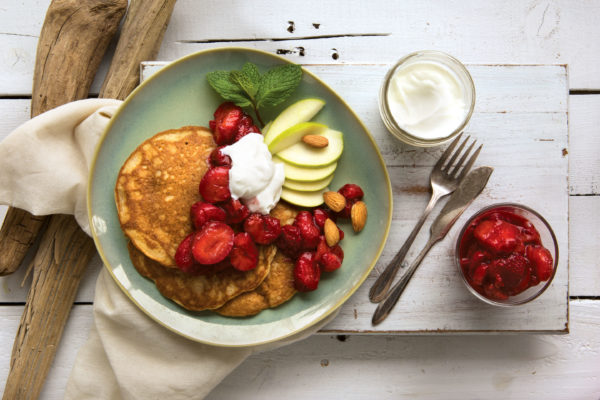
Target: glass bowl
x,y
467,270
455,67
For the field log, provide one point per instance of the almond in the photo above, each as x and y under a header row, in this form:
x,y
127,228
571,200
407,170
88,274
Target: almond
x,y
358,215
334,200
332,233
315,140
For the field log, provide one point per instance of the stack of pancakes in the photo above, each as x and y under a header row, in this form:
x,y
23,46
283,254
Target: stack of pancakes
x,y
155,188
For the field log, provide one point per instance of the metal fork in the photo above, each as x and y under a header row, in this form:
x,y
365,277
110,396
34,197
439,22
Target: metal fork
x,y
443,179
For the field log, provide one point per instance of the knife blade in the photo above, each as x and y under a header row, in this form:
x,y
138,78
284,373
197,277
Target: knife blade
x,y
468,189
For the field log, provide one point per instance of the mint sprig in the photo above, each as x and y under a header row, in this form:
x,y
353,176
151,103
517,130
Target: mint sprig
x,y
248,88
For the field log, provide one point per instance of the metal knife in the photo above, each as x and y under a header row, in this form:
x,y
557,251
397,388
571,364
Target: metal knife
x,y
468,189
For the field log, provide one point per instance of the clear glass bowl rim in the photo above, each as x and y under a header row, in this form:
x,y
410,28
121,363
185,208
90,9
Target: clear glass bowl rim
x,y
506,303
391,123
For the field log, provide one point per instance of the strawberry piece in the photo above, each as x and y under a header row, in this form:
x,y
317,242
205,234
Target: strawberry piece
x,y
345,213
303,217
310,235
512,269
202,212
492,292
542,261
479,274
245,126
218,159
214,186
236,211
351,192
498,236
213,243
264,229
330,262
530,235
320,216
322,248
306,273
183,256
337,250
244,254
290,241
225,125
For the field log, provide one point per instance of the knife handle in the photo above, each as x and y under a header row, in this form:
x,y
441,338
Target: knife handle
x,y
384,308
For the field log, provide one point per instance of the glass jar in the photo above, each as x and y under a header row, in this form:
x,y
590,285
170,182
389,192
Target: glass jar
x,y
449,77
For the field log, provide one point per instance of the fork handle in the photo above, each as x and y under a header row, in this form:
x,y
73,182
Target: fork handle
x,y
384,281
384,308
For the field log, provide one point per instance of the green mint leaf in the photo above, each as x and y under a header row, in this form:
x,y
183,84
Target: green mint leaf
x,y
229,90
248,79
277,84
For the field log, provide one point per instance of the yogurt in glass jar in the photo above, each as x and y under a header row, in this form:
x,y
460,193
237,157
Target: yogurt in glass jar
x,y
427,98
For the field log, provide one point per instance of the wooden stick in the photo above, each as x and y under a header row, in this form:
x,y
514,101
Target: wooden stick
x,y
65,250
73,40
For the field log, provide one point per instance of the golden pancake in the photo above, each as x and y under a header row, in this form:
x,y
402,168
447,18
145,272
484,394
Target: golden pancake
x,y
276,289
203,292
156,187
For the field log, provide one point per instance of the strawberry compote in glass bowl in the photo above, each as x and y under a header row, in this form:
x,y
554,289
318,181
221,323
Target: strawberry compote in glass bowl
x,y
507,254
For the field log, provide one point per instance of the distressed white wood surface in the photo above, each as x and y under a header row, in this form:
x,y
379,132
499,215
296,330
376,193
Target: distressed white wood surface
x,y
386,367
511,31
517,31
521,118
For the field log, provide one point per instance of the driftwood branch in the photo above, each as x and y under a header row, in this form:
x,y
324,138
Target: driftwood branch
x,y
73,40
65,249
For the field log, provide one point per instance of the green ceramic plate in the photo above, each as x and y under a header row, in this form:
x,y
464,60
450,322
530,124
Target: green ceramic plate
x,y
179,95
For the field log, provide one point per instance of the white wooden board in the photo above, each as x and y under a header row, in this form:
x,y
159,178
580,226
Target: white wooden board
x,y
521,118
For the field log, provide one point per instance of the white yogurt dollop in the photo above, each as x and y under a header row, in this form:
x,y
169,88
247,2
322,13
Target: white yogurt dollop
x,y
254,177
427,99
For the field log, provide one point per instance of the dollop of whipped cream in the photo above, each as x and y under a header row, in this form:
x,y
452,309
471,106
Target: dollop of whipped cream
x,y
254,178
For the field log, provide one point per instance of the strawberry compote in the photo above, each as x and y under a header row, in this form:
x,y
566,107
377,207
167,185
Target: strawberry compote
x,y
501,254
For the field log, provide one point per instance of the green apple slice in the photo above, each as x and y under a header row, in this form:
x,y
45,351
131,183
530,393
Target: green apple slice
x,y
304,155
265,129
294,135
308,186
305,174
300,111
303,199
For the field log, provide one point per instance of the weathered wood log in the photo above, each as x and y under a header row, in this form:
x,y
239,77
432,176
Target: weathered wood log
x,y
73,40
141,36
55,286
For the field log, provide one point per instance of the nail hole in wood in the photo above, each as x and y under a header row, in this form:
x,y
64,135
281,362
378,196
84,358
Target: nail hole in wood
x,y
335,55
292,27
316,25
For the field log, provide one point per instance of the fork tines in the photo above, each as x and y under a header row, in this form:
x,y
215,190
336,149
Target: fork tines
x,y
450,150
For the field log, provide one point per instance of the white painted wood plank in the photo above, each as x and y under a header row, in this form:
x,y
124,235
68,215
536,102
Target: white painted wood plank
x,y
384,367
513,31
584,148
526,121
584,215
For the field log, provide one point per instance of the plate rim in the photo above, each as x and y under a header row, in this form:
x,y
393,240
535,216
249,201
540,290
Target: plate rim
x,y
100,248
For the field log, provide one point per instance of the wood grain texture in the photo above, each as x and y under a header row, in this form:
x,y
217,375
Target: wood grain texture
x,y
520,367
73,40
140,40
511,31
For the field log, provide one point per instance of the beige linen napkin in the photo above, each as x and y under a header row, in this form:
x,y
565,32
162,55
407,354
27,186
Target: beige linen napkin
x,y
44,168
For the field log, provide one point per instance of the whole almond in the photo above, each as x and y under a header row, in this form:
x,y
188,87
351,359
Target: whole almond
x,y
315,140
334,200
332,233
358,215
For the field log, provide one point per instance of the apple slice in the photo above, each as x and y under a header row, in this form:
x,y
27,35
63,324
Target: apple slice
x,y
303,199
305,174
308,186
303,155
300,111
294,135
265,129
